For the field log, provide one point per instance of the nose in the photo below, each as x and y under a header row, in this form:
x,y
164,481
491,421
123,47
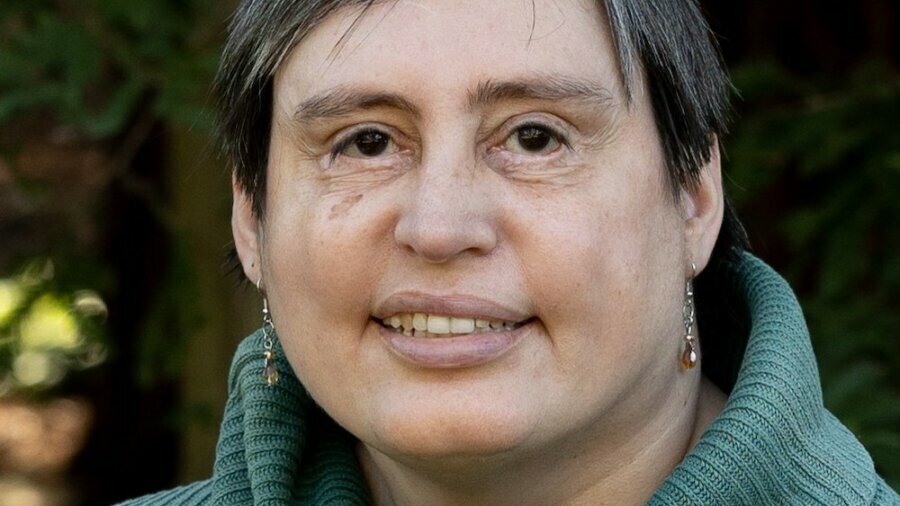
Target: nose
x,y
448,214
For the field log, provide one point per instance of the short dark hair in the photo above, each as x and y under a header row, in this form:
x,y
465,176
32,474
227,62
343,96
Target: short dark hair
x,y
672,45
669,43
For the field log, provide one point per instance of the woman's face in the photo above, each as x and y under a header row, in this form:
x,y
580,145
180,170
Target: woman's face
x,y
469,246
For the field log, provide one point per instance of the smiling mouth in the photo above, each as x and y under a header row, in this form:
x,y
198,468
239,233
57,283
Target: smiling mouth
x,y
438,326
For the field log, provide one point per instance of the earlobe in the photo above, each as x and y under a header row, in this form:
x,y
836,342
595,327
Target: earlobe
x,y
245,229
704,206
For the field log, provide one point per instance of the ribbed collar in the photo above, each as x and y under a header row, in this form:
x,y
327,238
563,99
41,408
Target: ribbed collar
x,y
276,446
774,443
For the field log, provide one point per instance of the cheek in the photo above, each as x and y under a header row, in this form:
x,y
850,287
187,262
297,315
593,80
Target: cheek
x,y
605,267
320,251
324,238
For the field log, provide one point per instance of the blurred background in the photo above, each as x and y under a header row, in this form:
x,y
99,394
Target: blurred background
x,y
118,321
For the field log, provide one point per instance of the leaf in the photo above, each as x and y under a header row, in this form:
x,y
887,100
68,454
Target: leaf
x,y
117,112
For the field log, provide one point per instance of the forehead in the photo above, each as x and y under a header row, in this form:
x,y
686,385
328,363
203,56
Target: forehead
x,y
441,47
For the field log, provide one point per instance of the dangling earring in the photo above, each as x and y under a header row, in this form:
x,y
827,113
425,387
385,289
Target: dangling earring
x,y
689,353
270,370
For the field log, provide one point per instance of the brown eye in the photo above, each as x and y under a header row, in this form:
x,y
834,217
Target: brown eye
x,y
366,144
533,140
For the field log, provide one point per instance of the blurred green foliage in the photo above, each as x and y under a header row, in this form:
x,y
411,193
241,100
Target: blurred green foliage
x,y
95,63
106,74
46,333
815,168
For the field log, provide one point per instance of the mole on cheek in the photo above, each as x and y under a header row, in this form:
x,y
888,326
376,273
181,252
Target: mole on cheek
x,y
344,206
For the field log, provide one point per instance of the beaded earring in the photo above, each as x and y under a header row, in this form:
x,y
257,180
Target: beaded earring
x,y
270,370
688,311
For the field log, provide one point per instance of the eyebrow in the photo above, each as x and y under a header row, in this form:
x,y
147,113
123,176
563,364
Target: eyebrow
x,y
341,101
544,87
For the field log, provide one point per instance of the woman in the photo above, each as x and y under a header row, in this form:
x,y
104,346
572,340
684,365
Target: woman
x,y
476,227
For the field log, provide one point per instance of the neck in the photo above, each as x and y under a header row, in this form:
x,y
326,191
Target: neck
x,y
597,465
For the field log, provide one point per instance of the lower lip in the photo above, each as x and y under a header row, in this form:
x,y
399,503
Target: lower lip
x,y
453,352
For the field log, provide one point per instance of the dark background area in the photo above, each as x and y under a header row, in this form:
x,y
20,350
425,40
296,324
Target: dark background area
x,y
117,321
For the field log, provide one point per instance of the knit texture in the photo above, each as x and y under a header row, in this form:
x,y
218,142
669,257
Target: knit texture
x,y
773,444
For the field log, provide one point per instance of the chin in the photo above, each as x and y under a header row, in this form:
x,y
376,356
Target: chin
x,y
447,430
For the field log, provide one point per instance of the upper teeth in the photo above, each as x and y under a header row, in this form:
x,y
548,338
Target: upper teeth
x,y
419,323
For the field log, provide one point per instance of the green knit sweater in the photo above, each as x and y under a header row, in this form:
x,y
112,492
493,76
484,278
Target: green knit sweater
x,y
774,443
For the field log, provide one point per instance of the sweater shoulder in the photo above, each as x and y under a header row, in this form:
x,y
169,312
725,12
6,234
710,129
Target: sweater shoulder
x,y
197,493
885,495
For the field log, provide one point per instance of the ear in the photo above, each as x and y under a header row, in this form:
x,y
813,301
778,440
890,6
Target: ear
x,y
704,206
246,231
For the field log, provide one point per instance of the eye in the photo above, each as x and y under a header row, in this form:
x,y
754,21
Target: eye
x,y
532,139
366,143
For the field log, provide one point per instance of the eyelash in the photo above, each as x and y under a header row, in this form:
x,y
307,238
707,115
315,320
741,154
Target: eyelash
x,y
347,140
340,146
557,135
